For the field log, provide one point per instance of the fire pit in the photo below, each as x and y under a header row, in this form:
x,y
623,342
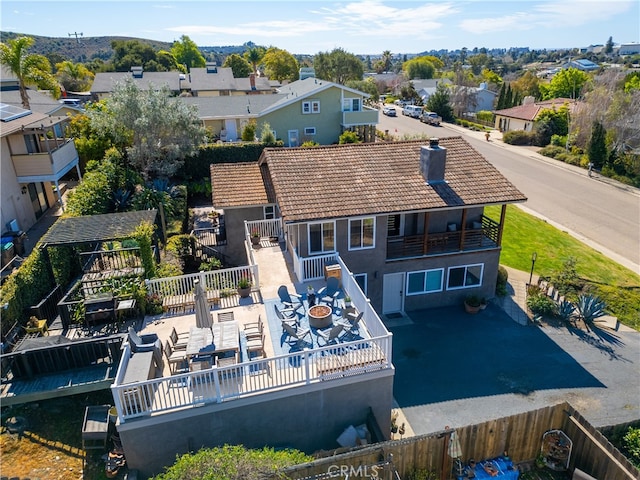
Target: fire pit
x,y
320,316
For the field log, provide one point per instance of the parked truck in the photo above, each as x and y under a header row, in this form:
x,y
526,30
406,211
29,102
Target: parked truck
x,y
432,118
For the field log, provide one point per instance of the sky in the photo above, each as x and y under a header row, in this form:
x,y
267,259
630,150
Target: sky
x,y
359,27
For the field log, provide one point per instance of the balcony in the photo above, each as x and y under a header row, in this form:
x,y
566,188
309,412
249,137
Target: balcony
x,y
43,167
467,239
367,116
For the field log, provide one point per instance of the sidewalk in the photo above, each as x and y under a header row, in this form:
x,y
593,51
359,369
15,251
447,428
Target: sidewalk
x,y
515,302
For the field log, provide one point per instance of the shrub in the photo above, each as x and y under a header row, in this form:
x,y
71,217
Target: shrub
x,y
144,236
558,140
518,137
590,307
501,282
211,264
249,131
632,445
348,137
539,303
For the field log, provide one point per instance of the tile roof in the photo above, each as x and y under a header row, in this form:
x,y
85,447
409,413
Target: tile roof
x,y
228,106
238,185
366,179
530,111
104,82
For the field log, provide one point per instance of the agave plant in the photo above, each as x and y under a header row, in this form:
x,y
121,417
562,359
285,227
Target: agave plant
x,y
590,307
565,310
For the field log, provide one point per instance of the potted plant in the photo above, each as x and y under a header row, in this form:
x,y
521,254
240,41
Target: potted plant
x,y
472,304
347,301
244,287
255,237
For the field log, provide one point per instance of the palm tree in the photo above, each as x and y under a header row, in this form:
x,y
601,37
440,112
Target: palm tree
x,y
74,77
30,69
387,59
254,57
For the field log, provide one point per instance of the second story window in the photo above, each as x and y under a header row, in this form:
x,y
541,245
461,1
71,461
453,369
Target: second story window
x,y
311,106
351,105
362,233
322,238
269,212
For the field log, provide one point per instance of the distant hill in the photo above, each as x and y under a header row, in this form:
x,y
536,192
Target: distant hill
x,y
85,49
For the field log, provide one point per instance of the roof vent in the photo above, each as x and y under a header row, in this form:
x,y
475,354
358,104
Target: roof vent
x,y
212,67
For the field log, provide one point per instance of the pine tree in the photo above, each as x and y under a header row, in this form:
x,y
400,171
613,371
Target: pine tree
x,y
597,150
500,104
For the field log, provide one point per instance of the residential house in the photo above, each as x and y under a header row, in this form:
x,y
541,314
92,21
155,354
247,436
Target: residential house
x,y
629,48
523,117
104,82
407,218
213,80
36,154
427,87
305,110
581,64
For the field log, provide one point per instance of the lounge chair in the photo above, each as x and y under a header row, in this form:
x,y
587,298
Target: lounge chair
x,y
331,336
297,334
330,292
352,322
146,343
286,316
291,301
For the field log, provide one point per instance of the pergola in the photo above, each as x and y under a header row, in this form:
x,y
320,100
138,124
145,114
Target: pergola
x,y
96,228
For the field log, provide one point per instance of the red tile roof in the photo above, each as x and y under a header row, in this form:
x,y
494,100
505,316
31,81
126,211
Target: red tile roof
x,y
366,179
530,111
237,185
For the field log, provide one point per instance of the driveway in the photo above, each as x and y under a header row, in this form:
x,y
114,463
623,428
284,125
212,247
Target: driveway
x,y
457,369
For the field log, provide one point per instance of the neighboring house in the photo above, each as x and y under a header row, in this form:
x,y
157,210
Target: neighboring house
x,y
36,154
103,83
219,81
523,117
305,110
426,88
581,64
629,49
407,218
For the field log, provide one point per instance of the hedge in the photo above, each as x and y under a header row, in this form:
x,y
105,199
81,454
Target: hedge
x,y
25,288
197,166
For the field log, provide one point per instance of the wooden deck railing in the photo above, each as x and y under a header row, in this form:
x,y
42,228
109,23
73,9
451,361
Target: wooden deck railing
x,y
217,385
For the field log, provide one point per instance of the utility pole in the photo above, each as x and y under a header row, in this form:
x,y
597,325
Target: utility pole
x,y
77,35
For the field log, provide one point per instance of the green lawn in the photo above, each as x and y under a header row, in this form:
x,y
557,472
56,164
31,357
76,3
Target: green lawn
x,y
524,234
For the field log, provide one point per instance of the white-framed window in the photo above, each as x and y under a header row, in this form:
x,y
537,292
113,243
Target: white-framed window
x,y
311,106
309,130
361,280
269,212
351,105
425,281
322,237
465,276
362,233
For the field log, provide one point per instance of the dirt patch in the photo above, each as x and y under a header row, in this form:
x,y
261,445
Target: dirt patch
x,y
50,445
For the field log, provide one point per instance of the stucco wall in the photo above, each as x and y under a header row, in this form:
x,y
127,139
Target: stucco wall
x,y
308,421
13,203
234,223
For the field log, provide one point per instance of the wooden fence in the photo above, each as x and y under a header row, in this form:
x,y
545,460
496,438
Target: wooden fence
x,y
520,435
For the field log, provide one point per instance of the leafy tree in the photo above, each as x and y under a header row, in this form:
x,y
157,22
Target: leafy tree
x,y
153,131
501,97
280,65
167,62
338,66
408,92
29,68
131,53
249,131
527,85
439,103
567,83
90,144
232,462
632,82
74,77
239,66
632,445
348,137
254,56
558,119
368,86
266,135
186,52
608,48
419,67
492,78
597,151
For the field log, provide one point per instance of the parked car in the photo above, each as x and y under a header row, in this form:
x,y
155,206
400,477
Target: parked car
x,y
413,111
389,111
432,118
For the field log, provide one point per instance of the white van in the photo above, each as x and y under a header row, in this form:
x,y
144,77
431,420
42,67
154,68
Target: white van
x,y
412,111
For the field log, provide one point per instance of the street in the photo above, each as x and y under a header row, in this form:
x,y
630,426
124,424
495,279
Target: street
x,y
599,212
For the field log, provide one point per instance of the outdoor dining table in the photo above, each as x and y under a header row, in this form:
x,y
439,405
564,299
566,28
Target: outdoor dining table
x,y
220,338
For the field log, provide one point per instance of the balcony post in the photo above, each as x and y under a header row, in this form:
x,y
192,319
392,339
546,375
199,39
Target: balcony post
x,y
503,214
463,229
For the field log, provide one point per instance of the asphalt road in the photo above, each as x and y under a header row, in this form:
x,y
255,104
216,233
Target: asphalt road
x,y
599,212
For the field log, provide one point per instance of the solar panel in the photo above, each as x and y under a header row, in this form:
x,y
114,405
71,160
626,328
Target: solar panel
x,y
11,112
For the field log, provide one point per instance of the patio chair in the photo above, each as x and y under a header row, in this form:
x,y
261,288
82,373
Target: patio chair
x,y
177,359
294,303
255,345
297,334
146,343
254,329
330,336
330,292
179,343
286,316
352,323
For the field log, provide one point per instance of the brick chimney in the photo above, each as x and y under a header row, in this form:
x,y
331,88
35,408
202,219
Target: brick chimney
x,y
432,162
252,80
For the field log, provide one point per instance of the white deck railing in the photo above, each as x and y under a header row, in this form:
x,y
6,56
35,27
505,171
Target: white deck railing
x,y
311,268
221,280
264,228
217,385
